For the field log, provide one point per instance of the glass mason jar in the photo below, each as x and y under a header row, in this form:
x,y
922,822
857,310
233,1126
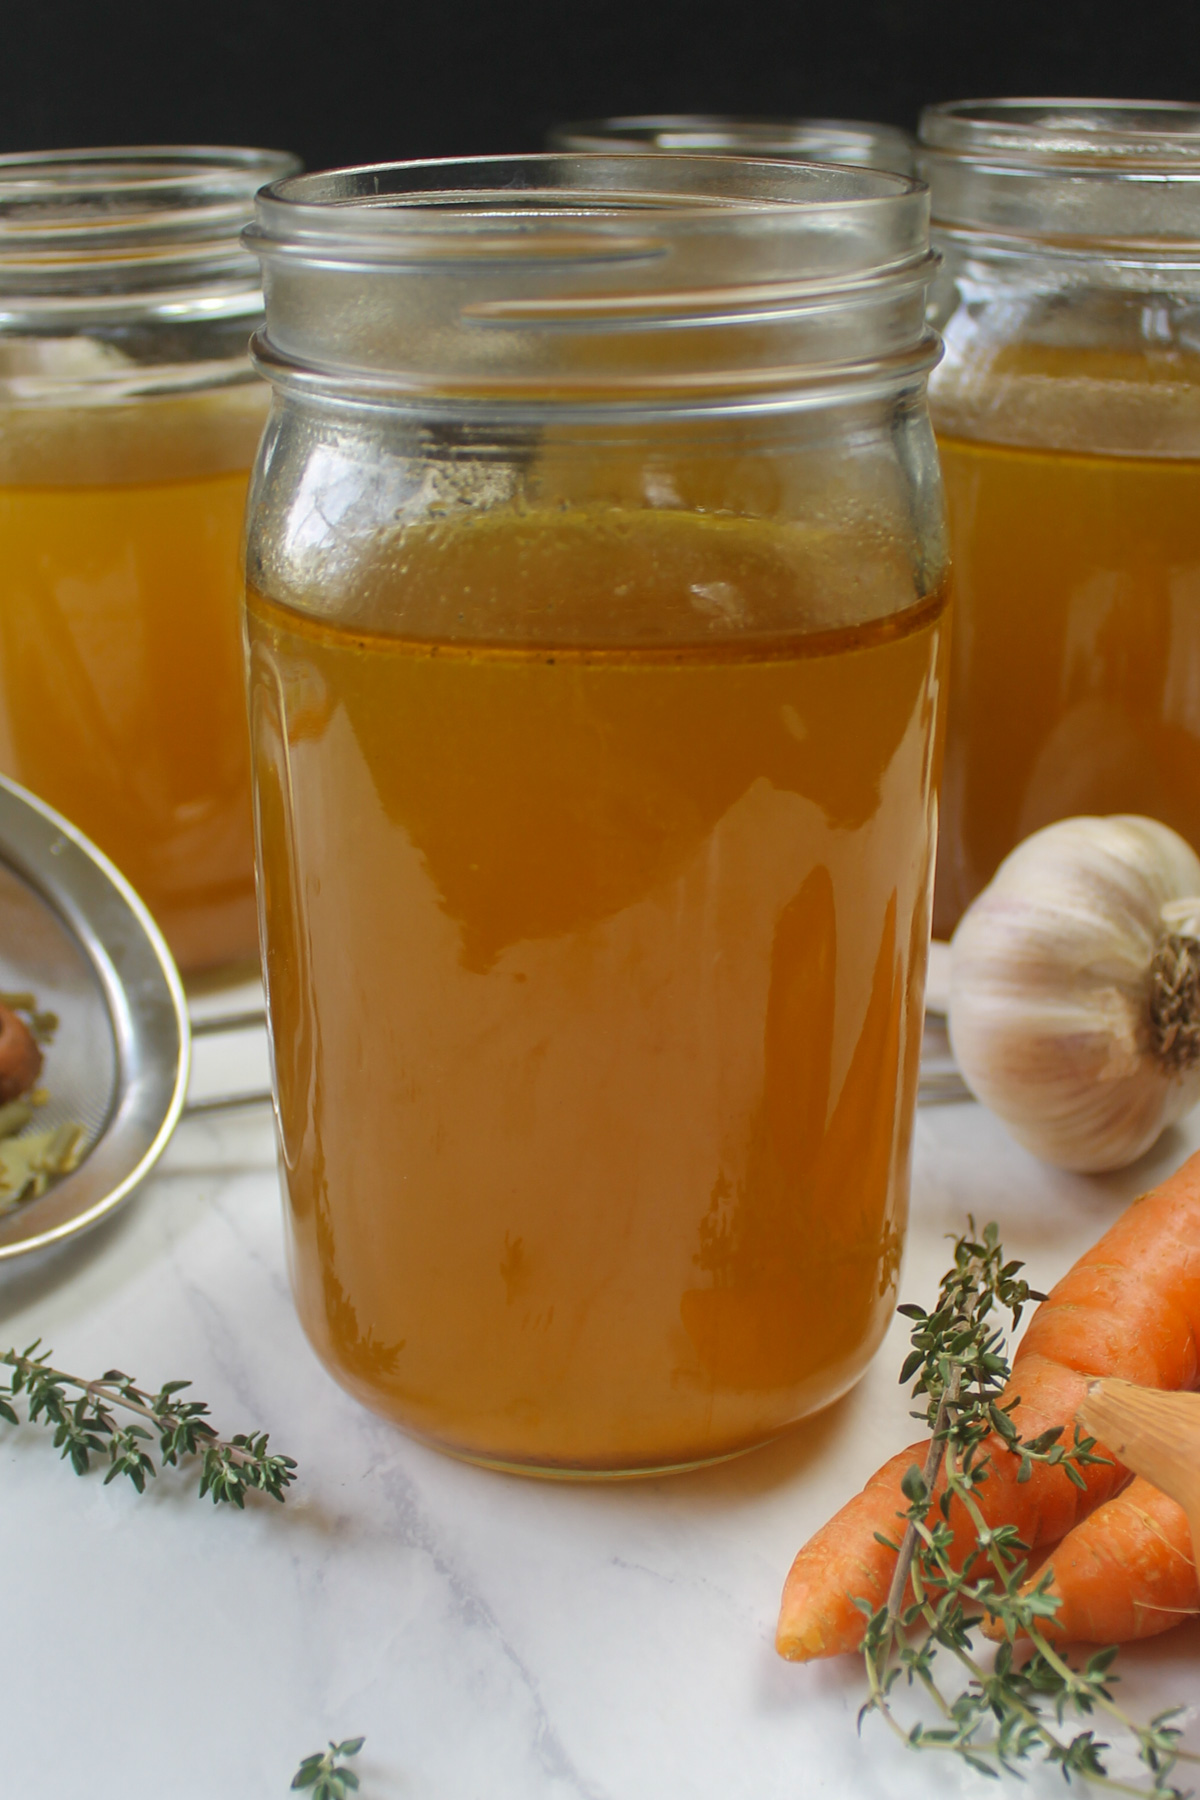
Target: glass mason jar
x,y
595,566
1068,417
852,143
129,418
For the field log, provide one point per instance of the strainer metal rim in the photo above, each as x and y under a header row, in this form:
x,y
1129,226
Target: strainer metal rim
x,y
147,1012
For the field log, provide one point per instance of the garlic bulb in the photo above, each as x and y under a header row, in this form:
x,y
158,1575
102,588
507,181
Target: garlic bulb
x,y
1075,990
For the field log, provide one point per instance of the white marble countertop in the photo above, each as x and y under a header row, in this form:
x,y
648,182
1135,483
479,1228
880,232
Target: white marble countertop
x,y
494,1638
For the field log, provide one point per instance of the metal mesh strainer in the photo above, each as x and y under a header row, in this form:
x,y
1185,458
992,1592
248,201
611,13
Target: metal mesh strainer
x,y
73,931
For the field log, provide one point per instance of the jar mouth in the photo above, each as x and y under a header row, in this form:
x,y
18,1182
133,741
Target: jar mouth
x,y
112,221
856,143
1094,178
543,185
732,220
614,277
1147,134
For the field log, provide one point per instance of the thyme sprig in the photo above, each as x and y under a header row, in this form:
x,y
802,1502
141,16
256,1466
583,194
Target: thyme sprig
x,y
83,1417
325,1772
1018,1710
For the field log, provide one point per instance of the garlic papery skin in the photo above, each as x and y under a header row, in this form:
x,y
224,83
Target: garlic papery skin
x,y
1075,994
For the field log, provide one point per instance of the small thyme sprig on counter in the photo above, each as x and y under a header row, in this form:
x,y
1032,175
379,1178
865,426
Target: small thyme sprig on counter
x,y
1013,1713
326,1774
82,1416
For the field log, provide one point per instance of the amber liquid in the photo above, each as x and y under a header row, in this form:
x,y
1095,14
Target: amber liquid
x,y
121,683
595,977
1076,659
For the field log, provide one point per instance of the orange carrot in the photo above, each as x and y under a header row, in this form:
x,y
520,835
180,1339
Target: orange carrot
x,y
1129,1570
1131,1308
1126,1572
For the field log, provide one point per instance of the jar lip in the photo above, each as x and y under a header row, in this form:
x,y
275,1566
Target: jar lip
x,y
30,175
1087,134
477,195
854,141
44,184
128,231
145,215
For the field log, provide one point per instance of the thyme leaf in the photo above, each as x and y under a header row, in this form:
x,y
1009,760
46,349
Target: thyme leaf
x,y
326,1774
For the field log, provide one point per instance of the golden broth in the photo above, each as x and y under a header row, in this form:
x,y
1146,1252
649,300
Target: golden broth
x,y
121,681
1075,683
595,975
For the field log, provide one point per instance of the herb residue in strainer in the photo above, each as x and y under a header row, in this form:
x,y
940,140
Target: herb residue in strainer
x,y
29,1159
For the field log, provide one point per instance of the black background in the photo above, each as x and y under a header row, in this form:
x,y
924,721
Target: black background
x,y
344,82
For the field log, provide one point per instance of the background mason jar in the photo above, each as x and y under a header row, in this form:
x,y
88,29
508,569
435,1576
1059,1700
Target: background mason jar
x,y
1068,418
129,417
855,143
595,563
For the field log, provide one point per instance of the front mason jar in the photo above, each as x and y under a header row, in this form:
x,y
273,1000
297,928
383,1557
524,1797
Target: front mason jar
x,y
1068,418
596,634
129,418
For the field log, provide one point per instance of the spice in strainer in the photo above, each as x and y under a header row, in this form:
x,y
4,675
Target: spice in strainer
x,y
29,1160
